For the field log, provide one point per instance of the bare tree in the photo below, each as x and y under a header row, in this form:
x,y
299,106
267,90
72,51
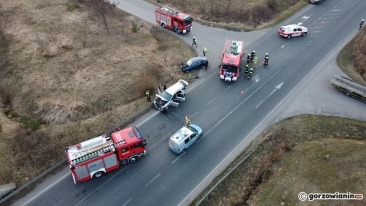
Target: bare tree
x,y
103,8
228,5
2,24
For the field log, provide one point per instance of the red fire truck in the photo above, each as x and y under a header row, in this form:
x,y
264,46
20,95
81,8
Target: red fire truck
x,y
174,20
231,60
105,153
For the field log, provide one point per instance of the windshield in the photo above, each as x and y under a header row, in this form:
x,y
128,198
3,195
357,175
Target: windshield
x,y
230,68
166,95
189,62
192,129
187,20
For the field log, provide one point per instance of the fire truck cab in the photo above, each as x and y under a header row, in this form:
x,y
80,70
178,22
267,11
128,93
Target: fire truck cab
x,y
102,154
172,19
231,60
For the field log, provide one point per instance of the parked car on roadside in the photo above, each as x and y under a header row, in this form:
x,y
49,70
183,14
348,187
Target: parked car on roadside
x,y
194,63
292,30
315,1
184,138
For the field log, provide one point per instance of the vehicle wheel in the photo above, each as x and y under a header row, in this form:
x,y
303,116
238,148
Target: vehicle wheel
x,y
98,174
163,25
178,31
303,34
133,160
204,67
289,36
348,94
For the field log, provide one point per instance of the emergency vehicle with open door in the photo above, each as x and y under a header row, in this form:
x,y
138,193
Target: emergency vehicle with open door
x,y
231,60
174,20
97,156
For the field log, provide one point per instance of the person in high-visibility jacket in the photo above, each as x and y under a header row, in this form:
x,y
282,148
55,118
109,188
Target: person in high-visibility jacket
x,y
246,69
250,73
204,51
188,121
148,98
255,60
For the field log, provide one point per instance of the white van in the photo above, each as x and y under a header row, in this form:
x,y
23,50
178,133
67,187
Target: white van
x,y
184,138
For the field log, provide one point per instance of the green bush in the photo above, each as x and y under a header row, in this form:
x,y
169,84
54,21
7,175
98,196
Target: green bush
x,y
135,27
30,123
72,5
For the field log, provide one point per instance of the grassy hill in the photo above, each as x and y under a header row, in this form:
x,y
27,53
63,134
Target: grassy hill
x,y
64,79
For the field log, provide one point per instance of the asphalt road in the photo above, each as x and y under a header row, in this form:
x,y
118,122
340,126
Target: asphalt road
x,y
296,82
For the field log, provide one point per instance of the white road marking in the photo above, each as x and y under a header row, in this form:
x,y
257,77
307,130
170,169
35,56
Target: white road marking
x,y
209,176
129,200
276,87
152,180
51,185
178,158
147,119
211,101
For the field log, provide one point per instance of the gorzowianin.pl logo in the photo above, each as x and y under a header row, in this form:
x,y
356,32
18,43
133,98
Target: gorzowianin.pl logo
x,y
303,196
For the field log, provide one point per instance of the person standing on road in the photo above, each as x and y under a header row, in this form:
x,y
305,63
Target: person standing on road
x,y
252,55
362,21
204,51
188,121
194,42
255,61
246,70
266,59
248,59
250,73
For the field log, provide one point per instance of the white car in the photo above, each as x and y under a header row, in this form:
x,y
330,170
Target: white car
x,y
292,30
315,1
184,138
171,96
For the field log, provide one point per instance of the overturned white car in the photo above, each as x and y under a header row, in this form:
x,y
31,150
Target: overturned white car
x,y
171,96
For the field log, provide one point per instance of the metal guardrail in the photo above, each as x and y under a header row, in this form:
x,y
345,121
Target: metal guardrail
x,y
43,174
205,197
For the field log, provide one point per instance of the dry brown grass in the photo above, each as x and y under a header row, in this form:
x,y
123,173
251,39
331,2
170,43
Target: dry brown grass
x,y
64,71
326,165
237,14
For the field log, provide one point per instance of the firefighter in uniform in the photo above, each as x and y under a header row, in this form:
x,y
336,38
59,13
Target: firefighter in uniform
x,y
266,59
250,73
194,42
248,59
363,20
246,70
252,56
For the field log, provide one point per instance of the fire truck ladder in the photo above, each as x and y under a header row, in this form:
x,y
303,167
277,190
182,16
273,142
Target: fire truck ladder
x,y
170,11
93,151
